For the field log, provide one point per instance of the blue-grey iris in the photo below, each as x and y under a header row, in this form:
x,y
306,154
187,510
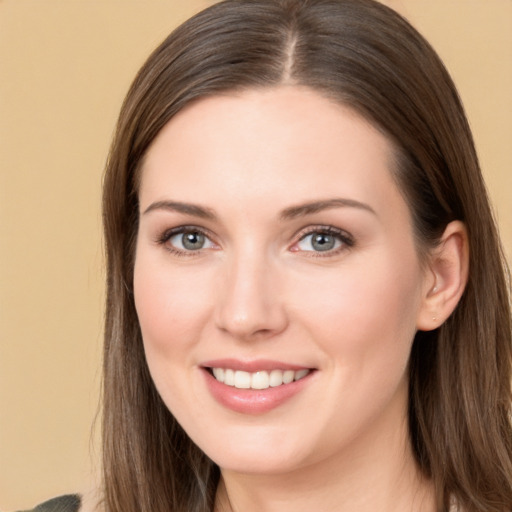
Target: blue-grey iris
x,y
193,240
322,241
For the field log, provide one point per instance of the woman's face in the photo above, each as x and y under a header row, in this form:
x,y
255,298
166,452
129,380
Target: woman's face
x,y
276,251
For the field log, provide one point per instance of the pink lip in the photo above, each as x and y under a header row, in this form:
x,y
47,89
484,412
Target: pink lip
x,y
253,401
252,366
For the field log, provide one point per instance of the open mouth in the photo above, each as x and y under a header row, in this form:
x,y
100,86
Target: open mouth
x,y
257,380
255,387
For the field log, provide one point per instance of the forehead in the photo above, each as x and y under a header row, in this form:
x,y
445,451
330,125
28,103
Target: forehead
x,y
286,144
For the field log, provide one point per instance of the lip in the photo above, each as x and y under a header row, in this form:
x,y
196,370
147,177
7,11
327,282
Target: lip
x,y
253,401
252,366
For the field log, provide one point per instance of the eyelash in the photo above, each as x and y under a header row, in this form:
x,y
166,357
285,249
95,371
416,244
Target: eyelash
x,y
347,241
164,238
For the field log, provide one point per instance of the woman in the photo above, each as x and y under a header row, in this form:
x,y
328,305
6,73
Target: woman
x,y
307,300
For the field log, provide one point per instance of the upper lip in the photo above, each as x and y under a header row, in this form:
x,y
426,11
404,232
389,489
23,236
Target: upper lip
x,y
253,365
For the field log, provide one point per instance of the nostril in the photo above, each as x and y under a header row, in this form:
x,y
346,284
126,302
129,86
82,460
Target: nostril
x,y
259,323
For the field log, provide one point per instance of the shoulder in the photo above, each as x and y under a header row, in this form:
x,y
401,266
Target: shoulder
x,y
68,503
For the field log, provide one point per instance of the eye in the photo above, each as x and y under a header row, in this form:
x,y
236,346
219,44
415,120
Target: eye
x,y
325,240
190,241
320,242
186,240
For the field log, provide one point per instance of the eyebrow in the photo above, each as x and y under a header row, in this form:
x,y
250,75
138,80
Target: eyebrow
x,y
318,206
186,208
288,213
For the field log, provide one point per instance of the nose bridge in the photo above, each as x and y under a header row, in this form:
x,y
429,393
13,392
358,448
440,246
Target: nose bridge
x,y
249,299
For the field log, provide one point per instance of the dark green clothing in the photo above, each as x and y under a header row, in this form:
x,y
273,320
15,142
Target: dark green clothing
x,y
69,503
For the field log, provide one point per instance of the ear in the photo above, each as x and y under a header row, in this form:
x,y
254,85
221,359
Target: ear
x,y
446,277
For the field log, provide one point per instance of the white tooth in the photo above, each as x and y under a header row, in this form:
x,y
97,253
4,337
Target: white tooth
x,y
301,374
257,380
218,373
288,376
276,378
229,377
242,380
260,380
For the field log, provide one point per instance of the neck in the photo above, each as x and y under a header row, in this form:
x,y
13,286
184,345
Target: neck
x,y
378,472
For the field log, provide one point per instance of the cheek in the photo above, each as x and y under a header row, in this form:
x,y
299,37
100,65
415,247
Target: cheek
x,y
169,313
169,303
171,306
368,310
364,322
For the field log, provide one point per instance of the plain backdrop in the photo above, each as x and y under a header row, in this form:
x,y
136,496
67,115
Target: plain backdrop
x,y
65,66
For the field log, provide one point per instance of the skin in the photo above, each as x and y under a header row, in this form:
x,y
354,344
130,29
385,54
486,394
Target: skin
x,y
258,289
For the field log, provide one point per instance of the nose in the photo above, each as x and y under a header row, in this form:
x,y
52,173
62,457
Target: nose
x,y
250,304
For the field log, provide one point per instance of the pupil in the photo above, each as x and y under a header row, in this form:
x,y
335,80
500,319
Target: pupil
x,y
193,241
323,242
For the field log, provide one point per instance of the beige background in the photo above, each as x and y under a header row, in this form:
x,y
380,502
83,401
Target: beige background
x,y
64,68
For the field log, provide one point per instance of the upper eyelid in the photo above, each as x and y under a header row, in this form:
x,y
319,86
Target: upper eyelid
x,y
332,230
185,228
301,232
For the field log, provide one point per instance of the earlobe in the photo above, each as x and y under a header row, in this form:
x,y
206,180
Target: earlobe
x,y
448,268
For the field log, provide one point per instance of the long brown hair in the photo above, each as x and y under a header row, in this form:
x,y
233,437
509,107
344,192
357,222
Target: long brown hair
x,y
364,55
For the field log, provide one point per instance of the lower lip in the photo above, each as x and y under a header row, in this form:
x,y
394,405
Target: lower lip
x,y
253,401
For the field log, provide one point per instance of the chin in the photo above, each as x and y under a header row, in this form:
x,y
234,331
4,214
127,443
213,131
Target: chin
x,y
262,463
257,450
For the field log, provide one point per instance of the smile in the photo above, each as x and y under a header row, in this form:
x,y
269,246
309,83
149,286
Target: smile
x,y
259,379
255,387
